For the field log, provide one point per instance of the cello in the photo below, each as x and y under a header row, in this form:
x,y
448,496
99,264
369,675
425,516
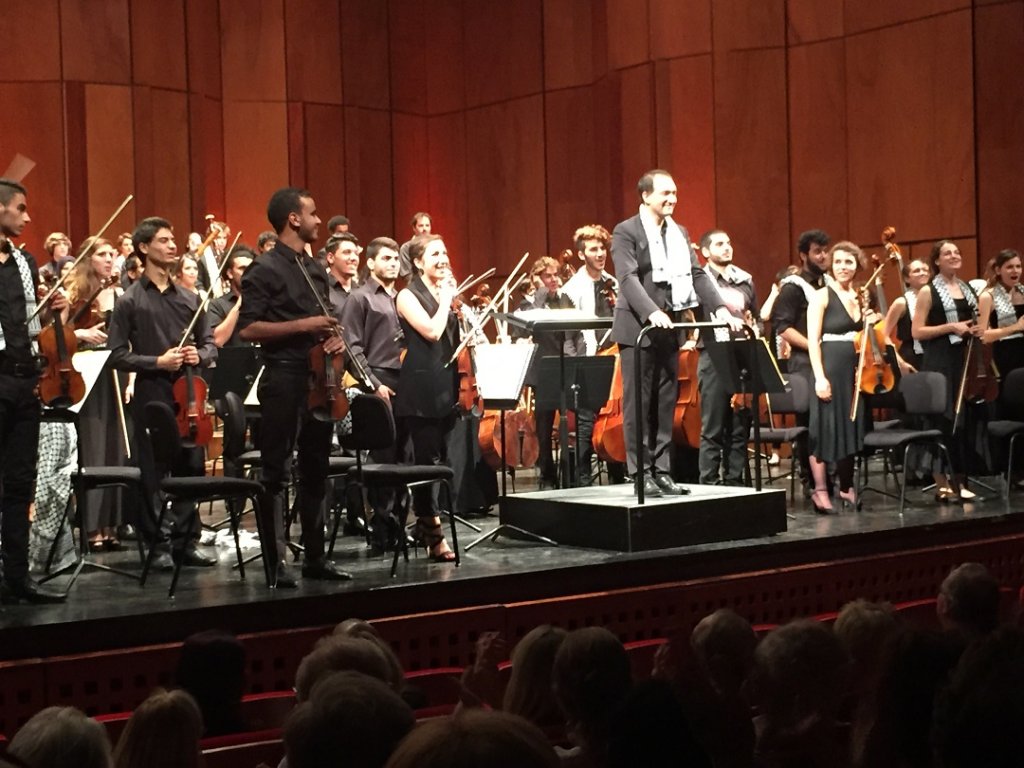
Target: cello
x,y
686,419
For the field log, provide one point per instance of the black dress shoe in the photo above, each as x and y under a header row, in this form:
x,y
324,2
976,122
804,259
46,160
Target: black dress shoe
x,y
191,556
670,487
162,562
28,591
651,488
324,570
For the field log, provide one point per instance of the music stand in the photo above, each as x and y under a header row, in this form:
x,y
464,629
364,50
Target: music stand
x,y
588,379
235,371
746,366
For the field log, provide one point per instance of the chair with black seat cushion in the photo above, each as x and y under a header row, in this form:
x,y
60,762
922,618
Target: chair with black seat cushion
x,y
373,427
1010,425
924,394
794,401
83,480
163,435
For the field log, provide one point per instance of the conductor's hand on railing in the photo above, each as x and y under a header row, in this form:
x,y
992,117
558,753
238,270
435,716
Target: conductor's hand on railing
x,y
723,315
659,319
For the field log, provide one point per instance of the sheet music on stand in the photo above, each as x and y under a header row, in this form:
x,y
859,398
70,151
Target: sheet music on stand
x,y
253,398
90,364
501,370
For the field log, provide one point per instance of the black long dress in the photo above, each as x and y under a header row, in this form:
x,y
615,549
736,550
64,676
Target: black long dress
x,y
1008,354
833,436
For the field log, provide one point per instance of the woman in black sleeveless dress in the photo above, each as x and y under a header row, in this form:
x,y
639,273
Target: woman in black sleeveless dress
x,y
427,393
943,319
833,317
916,275
1001,312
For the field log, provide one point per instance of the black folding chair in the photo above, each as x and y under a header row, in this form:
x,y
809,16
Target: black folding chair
x,y
794,401
1008,428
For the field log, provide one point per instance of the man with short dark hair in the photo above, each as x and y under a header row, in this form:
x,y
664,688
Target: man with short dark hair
x,y
338,225
19,406
280,311
266,241
659,278
223,310
422,224
342,253
968,601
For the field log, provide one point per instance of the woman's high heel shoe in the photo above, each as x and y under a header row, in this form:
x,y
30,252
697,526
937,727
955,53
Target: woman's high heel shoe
x,y
824,508
850,499
432,539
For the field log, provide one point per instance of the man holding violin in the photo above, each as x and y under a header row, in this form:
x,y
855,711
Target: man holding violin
x,y
145,338
281,312
19,406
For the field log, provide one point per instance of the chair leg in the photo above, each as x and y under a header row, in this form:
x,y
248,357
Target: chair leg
x,y
156,541
1009,466
235,515
903,483
402,539
65,518
451,518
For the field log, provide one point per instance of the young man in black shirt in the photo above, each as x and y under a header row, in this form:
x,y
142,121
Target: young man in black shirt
x,y
145,334
223,310
280,311
19,406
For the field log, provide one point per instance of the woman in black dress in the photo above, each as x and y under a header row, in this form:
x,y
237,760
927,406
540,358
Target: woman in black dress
x,y
945,316
1001,313
427,394
916,275
833,318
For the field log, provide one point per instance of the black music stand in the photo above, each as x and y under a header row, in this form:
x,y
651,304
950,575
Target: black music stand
x,y
587,380
747,367
235,371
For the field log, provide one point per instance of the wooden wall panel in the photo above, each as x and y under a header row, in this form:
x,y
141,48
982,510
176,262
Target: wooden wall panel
x,y
874,14
445,189
914,170
37,133
95,41
999,100
162,156
33,51
679,27
407,56
423,80
686,137
206,157
818,138
571,173
505,183
152,62
368,177
110,146
411,170
504,51
628,35
739,24
323,158
809,21
255,162
313,50
568,43
252,50
365,45
632,139
751,164
202,47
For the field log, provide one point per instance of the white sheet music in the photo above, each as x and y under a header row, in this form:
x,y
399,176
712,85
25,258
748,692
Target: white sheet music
x,y
90,364
253,398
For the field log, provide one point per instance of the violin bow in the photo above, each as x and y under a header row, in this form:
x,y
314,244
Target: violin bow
x,y
209,294
60,280
477,322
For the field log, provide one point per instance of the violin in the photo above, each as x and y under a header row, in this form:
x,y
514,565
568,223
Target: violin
x,y
875,375
60,385
194,422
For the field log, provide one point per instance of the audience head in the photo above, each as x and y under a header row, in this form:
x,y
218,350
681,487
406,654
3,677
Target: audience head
x,y
211,669
364,630
333,653
591,677
723,644
61,737
350,719
865,629
969,600
163,732
474,738
529,692
650,728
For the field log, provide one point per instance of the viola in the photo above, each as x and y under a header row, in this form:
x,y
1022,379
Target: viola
x,y
609,439
194,422
875,374
60,385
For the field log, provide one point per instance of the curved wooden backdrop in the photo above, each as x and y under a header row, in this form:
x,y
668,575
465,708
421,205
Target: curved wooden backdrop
x,y
515,122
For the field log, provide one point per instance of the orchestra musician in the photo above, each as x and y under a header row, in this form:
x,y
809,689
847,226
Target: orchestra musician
x,y
1001,313
280,311
19,406
943,320
208,277
833,318
223,310
723,428
144,339
659,277
374,337
422,224
342,254
427,393
592,290
901,314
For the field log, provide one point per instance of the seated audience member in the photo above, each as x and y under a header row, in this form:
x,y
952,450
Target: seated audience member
x,y
211,669
350,719
918,666
529,693
969,601
799,677
163,732
472,739
591,678
60,737
651,728
333,654
978,716
363,629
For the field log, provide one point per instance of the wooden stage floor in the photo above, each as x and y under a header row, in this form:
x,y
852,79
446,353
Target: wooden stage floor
x,y
106,611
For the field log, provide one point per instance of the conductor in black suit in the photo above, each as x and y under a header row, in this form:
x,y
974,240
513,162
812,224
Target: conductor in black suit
x,y
659,277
